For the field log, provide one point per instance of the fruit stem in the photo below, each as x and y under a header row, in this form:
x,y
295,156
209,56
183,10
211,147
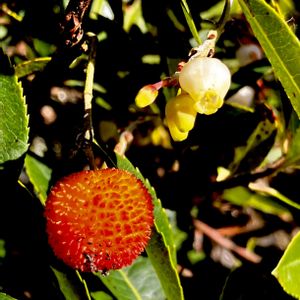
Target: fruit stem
x,y
88,97
207,48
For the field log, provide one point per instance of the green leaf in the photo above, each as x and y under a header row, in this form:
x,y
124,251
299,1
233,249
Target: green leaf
x,y
293,153
216,10
134,16
99,295
39,175
31,66
243,197
4,296
288,269
136,282
120,285
13,114
263,131
267,190
279,43
190,21
66,287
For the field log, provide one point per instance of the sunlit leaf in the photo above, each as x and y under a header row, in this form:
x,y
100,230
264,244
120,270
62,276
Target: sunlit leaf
x,y
96,8
216,10
102,8
138,281
243,197
67,288
263,131
179,235
4,296
267,190
2,249
190,21
293,154
31,66
119,284
280,44
39,175
288,269
99,295
133,15
13,114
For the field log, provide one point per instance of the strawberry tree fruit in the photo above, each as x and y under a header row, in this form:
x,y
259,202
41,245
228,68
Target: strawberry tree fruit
x,y
99,220
207,81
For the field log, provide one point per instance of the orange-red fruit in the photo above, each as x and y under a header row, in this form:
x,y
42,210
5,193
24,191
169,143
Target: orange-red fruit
x,y
99,220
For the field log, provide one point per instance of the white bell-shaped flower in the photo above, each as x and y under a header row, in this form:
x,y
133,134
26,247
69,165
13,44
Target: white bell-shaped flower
x,y
207,80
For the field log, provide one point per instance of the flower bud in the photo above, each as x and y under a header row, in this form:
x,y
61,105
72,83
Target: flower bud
x,y
146,95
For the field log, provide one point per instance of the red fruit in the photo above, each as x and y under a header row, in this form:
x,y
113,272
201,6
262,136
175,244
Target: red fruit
x,y
99,220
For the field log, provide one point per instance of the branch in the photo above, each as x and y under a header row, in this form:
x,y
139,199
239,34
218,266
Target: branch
x,y
88,97
215,235
72,24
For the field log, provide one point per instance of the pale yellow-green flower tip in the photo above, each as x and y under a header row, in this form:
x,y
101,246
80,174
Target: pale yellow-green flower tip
x,y
209,103
146,95
176,134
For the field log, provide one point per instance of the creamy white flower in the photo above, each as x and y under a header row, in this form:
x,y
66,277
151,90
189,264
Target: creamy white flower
x,y
207,80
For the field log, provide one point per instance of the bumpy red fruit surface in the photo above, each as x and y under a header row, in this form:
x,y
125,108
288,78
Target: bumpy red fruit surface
x,y
99,220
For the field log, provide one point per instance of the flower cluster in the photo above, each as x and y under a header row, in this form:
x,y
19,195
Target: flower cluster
x,y
204,82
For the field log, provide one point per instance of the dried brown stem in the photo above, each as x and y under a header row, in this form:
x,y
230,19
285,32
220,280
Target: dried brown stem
x,y
215,235
72,23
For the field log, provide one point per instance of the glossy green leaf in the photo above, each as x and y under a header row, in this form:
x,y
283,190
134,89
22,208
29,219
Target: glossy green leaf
x,y
243,197
190,21
161,249
267,190
134,16
69,291
263,131
39,175
120,285
288,269
31,66
216,10
279,43
4,296
293,153
136,282
99,295
13,114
